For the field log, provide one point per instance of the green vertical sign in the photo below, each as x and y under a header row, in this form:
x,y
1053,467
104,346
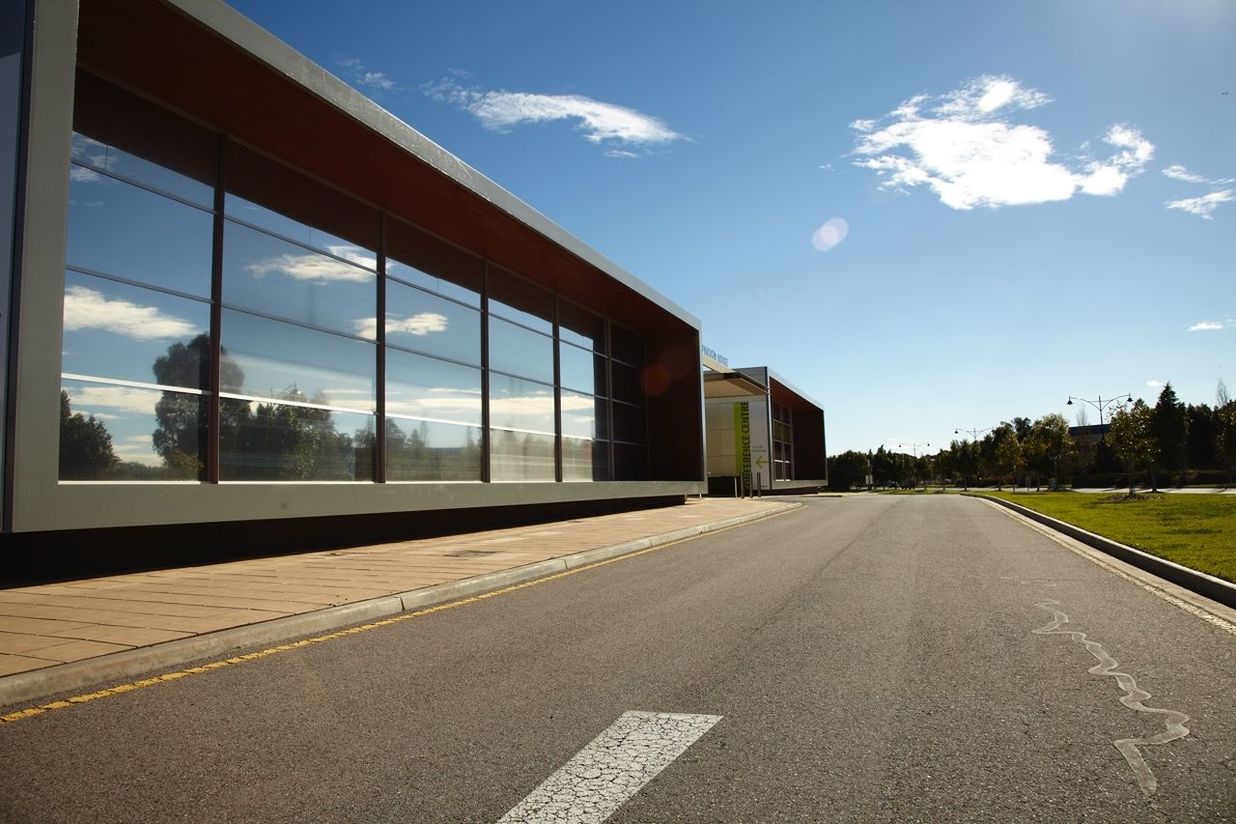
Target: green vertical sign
x,y
742,439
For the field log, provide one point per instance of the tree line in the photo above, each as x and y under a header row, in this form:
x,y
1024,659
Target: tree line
x,y
1170,443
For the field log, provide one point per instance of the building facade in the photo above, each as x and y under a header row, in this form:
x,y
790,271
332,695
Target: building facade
x,y
239,290
762,434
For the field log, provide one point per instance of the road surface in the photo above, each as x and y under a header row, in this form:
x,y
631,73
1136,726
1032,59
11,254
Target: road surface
x,y
869,658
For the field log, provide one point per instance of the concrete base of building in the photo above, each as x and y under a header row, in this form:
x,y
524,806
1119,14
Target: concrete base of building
x,y
72,554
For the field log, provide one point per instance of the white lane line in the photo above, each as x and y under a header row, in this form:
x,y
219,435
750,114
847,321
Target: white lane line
x,y
1134,697
599,778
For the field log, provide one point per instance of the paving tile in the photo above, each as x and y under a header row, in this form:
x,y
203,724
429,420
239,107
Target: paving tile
x,y
36,626
129,636
66,651
13,664
13,643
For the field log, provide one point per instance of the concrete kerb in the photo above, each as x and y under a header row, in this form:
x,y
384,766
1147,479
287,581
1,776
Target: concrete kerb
x,y
76,676
1208,586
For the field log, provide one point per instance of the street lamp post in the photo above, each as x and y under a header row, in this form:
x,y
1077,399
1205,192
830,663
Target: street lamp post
x,y
1102,405
914,445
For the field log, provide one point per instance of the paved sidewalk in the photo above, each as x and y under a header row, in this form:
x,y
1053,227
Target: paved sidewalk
x,y
52,624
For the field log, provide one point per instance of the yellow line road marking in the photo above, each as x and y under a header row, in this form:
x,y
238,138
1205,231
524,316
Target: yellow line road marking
x,y
120,689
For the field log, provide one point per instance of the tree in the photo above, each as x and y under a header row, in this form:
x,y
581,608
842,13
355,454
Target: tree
x,y
965,460
1130,437
844,470
1169,429
85,445
1200,451
1051,443
1007,452
1225,440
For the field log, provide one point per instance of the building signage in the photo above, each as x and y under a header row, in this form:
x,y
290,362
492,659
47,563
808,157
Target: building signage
x,y
742,439
708,353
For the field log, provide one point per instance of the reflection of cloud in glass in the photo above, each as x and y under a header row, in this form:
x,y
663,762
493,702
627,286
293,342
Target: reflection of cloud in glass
x,y
136,449
318,268
422,323
80,174
88,399
87,309
91,151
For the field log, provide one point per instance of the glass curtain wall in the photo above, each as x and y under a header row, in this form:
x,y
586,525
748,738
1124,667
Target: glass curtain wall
x,y
221,323
630,423
783,443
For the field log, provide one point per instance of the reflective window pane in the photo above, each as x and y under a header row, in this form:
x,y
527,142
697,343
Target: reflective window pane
x,y
518,351
268,194
113,330
428,388
269,359
626,383
121,433
117,132
580,369
418,258
280,442
520,404
630,462
581,327
427,323
627,346
629,423
585,460
428,451
129,232
516,299
579,414
520,456
263,273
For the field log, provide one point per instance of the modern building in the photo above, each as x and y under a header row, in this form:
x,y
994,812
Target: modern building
x,y
762,434
239,291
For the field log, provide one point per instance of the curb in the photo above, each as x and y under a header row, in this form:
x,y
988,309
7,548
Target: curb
x,y
1209,586
77,675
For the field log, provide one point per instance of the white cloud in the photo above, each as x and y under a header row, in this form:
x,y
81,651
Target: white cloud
x,y
318,268
422,323
1205,205
80,174
963,147
361,75
1179,172
1153,384
87,399
1207,326
87,309
830,234
599,122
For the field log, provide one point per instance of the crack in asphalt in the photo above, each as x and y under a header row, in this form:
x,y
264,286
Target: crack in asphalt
x,y
1173,721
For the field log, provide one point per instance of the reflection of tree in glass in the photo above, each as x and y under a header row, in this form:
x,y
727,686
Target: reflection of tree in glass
x,y
263,441
180,438
296,443
411,455
85,446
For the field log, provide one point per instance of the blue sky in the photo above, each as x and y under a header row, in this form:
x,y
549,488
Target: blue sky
x,y
1003,170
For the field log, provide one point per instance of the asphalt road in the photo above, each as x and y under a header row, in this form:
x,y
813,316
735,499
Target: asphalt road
x,y
872,658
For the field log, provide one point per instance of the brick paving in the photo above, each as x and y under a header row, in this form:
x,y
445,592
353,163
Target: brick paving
x,y
49,624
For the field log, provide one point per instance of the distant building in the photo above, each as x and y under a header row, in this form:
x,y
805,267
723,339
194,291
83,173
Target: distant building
x,y
1090,434
762,434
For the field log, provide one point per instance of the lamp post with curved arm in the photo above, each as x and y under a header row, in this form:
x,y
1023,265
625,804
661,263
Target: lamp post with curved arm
x,y
1103,405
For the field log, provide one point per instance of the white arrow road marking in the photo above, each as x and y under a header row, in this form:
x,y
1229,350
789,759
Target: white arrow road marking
x,y
597,781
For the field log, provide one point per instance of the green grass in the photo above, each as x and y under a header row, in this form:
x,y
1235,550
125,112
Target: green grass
x,y
1197,531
